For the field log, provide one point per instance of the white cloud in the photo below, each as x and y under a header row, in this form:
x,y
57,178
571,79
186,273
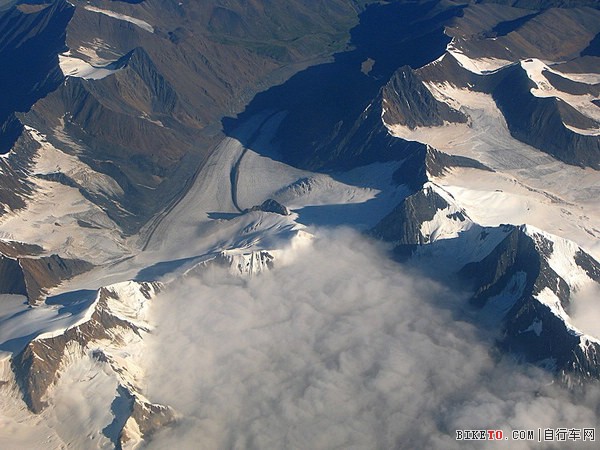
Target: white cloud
x,y
585,309
342,349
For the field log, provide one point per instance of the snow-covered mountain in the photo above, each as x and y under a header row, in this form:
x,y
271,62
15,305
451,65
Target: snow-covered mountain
x,y
466,136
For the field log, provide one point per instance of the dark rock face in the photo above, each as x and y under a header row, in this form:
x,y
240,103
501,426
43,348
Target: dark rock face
x,y
426,162
589,264
48,271
438,163
10,131
366,141
571,117
272,206
403,225
552,345
15,185
15,249
32,276
505,27
594,48
12,280
29,38
516,253
408,102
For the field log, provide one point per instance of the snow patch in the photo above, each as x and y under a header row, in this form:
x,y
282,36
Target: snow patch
x,y
92,49
75,67
447,223
536,326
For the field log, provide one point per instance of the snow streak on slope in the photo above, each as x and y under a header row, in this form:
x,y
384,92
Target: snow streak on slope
x,y
476,65
587,78
138,22
52,160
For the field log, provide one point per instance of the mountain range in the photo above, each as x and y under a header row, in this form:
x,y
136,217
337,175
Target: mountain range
x,y
145,142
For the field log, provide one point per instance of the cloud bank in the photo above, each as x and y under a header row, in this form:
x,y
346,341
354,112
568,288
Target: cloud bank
x,y
343,348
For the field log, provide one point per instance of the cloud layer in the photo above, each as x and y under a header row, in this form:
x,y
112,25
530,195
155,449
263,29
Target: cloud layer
x,y
343,348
